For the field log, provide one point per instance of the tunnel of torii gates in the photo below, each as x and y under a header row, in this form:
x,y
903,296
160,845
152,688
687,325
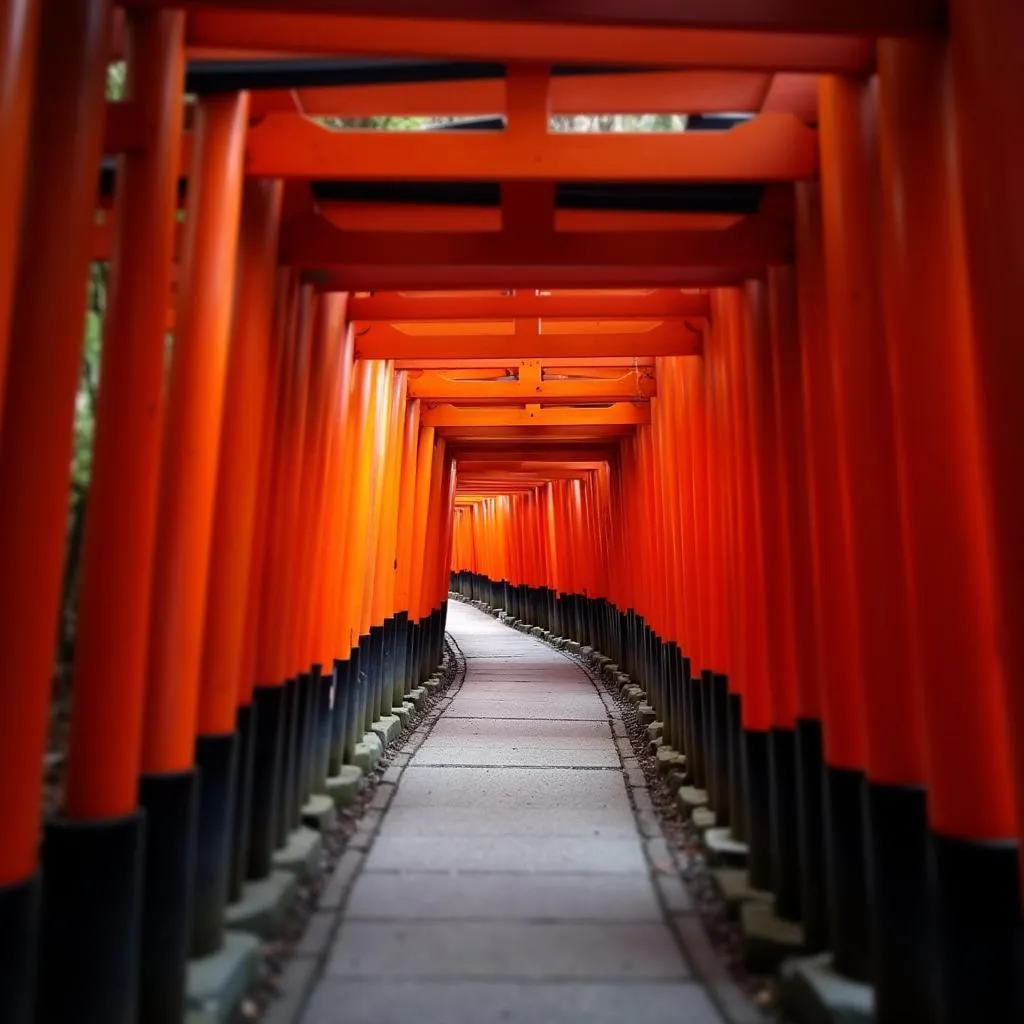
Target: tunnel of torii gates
x,y
739,407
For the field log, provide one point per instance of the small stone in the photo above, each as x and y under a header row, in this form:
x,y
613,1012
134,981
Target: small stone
x,y
703,818
646,714
689,797
670,759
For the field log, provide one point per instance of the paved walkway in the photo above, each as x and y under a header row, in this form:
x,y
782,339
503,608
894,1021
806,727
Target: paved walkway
x,y
509,881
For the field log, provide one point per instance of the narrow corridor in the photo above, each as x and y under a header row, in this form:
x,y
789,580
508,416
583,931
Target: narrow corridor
x,y
509,880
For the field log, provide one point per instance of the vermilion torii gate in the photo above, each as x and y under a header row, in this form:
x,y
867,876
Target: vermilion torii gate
x,y
738,405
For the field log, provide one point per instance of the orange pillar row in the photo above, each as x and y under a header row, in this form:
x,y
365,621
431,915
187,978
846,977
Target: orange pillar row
x,y
42,294
406,541
767,741
321,336
986,87
223,734
723,695
101,820
862,405
328,562
348,728
797,859
187,493
934,353
832,729
263,613
727,700
251,856
305,674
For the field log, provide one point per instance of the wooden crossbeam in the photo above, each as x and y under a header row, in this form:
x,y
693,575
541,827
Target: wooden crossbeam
x,y
660,46
437,217
312,241
535,451
650,92
620,414
389,306
860,17
679,336
770,147
438,386
356,276
527,455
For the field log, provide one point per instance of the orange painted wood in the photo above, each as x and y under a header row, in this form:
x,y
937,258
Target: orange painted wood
x,y
284,298
669,337
512,41
313,241
649,92
645,303
875,17
933,354
42,374
770,147
986,88
188,473
117,556
19,30
863,408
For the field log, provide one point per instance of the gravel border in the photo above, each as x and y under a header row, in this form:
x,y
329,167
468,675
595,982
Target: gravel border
x,y
291,962
716,949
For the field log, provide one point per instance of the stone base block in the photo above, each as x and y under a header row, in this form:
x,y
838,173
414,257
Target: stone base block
x,y
676,779
404,714
388,728
345,787
301,855
416,696
366,754
703,818
722,848
587,652
813,992
432,685
635,695
646,714
319,813
736,890
689,797
655,729
572,646
217,983
669,760
263,905
767,938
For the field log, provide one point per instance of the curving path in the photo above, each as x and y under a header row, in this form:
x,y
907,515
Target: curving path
x,y
509,880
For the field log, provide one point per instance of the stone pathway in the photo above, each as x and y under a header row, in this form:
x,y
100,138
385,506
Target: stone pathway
x,y
509,881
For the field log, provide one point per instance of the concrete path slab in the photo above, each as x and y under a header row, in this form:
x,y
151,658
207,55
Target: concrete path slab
x,y
514,854
509,881
470,823
505,949
381,895
511,788
477,1002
